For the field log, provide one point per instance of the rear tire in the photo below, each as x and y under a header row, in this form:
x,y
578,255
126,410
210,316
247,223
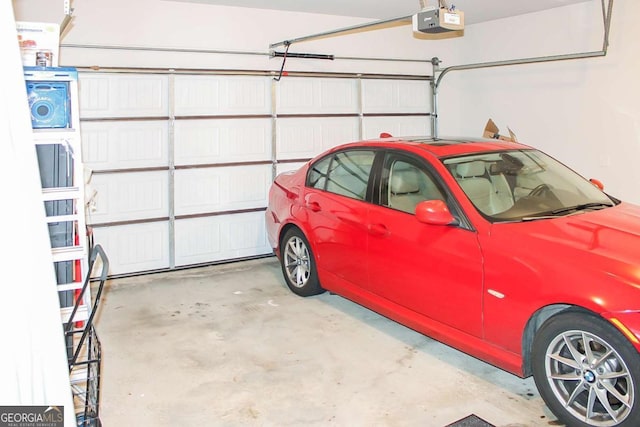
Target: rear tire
x,y
586,371
298,264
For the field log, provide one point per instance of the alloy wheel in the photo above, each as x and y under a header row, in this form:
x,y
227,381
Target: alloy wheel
x,y
297,262
589,378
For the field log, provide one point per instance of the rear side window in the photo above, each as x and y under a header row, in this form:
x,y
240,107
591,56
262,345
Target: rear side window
x,y
345,173
318,174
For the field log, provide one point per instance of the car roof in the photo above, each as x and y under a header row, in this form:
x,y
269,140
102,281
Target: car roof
x,y
443,146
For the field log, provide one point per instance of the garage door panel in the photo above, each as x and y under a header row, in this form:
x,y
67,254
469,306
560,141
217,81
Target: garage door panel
x,y
217,189
396,126
130,95
125,145
129,196
222,95
300,138
135,248
316,95
222,141
183,163
395,96
222,237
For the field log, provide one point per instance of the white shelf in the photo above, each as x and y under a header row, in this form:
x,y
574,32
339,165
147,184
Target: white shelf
x,y
62,218
74,286
78,376
54,136
54,132
61,193
81,315
69,253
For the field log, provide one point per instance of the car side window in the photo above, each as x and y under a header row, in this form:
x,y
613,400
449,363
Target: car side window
x,y
345,173
408,185
318,172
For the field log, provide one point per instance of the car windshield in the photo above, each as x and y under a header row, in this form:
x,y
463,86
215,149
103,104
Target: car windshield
x,y
523,185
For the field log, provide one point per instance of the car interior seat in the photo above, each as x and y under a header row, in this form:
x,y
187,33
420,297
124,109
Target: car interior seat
x,y
404,189
502,198
471,177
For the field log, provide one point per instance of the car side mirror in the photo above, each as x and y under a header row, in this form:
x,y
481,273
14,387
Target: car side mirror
x,y
434,212
597,183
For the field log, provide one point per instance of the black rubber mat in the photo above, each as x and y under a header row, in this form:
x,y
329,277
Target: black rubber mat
x,y
470,421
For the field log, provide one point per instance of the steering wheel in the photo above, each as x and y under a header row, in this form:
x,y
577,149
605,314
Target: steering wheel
x,y
540,190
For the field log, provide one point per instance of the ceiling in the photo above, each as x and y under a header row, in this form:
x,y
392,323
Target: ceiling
x,y
474,10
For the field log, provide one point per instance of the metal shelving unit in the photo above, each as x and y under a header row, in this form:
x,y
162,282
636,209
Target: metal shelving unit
x,y
53,100
55,118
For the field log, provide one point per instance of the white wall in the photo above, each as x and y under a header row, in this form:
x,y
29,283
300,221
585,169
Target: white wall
x,y
585,112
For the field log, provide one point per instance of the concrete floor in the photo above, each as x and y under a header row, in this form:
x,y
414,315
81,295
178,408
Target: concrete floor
x,y
230,345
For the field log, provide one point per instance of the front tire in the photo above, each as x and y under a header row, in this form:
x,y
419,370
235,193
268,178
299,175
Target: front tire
x,y
298,264
586,371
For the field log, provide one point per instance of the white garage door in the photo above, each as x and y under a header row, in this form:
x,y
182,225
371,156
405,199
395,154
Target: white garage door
x,y
181,163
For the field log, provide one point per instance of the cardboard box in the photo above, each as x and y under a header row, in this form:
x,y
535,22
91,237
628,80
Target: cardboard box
x,y
492,131
39,43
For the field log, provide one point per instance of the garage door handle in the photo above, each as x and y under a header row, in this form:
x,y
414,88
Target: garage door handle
x,y
314,206
378,230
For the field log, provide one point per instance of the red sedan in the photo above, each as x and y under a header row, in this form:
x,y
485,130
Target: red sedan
x,y
491,247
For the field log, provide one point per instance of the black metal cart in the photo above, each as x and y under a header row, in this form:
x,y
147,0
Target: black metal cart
x,y
84,350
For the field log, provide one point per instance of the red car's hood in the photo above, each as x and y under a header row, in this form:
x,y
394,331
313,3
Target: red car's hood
x,y
612,233
590,259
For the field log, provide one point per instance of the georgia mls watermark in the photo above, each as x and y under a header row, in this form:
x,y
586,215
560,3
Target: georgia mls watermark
x,y
31,416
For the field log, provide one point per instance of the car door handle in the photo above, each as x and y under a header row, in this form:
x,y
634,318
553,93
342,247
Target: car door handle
x,y
378,230
314,206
